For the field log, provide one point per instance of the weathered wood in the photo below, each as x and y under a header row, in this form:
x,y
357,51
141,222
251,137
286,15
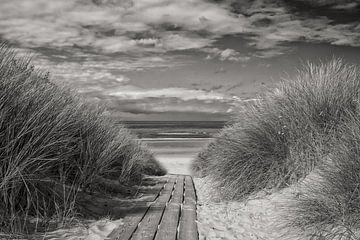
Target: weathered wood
x,y
187,226
150,186
148,226
130,224
171,216
133,218
169,223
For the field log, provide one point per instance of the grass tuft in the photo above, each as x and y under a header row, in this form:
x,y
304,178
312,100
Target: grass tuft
x,y
280,139
329,208
53,145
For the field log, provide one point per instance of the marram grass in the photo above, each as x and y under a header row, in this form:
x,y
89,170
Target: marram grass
x,y
280,139
306,123
54,144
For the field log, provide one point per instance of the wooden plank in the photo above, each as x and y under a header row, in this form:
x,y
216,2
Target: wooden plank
x,y
132,219
187,227
130,224
169,223
153,192
148,226
131,208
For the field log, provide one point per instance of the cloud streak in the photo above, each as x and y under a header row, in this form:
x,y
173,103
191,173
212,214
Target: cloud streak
x,y
134,100
225,55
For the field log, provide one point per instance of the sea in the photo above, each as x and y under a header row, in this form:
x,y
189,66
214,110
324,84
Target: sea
x,y
175,144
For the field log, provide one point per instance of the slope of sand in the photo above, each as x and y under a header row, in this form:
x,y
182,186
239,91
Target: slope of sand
x,y
257,218
109,211
95,230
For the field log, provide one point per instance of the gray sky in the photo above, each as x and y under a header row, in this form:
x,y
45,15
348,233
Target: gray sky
x,y
178,59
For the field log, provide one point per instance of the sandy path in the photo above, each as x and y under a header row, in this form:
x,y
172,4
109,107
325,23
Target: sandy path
x,y
257,218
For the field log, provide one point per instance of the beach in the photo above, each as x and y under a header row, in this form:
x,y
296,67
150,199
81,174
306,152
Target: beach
x,y
216,217
176,154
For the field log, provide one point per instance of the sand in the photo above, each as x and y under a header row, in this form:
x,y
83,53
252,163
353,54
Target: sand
x,y
176,154
95,230
104,205
257,218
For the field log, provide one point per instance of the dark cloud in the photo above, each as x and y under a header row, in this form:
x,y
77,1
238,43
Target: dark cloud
x,y
216,87
340,12
320,3
262,22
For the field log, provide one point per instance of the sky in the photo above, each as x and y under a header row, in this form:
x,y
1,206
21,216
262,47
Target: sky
x,y
149,60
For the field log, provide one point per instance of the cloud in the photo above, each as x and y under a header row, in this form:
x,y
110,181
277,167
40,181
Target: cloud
x,y
134,100
82,70
133,93
178,42
166,105
274,28
111,26
225,55
231,54
326,3
346,6
92,44
141,26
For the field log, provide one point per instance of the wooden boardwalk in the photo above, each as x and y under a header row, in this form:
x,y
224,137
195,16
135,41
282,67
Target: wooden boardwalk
x,y
171,216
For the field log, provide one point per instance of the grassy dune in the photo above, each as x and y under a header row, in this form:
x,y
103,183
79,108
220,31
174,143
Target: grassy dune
x,y
54,144
329,208
311,121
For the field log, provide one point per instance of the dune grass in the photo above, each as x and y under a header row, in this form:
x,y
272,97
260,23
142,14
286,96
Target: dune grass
x,y
54,144
308,123
329,207
277,141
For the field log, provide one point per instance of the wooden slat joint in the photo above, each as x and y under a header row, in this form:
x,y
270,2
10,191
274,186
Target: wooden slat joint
x,y
172,216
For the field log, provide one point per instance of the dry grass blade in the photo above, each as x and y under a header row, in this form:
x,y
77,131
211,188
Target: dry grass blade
x,y
51,137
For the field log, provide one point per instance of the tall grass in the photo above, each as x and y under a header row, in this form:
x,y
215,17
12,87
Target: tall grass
x,y
329,207
54,144
277,141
